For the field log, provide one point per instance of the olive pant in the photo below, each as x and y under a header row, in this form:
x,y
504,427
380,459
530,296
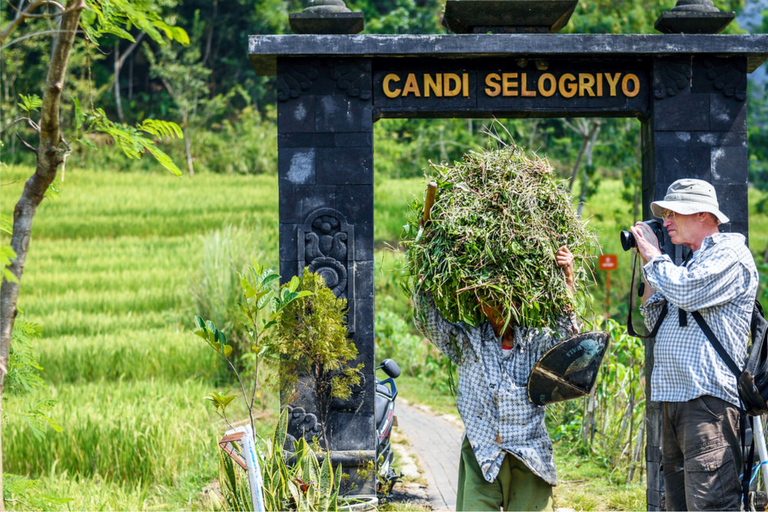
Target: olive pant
x,y
515,488
701,454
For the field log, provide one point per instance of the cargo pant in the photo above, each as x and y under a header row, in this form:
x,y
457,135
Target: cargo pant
x,y
515,488
701,454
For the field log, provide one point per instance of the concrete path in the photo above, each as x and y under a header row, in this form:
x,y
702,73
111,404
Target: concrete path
x,y
436,442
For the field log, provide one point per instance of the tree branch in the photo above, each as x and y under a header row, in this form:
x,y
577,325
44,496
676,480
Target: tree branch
x,y
26,144
22,16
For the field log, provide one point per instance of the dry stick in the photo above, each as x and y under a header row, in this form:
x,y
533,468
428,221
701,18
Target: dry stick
x,y
429,201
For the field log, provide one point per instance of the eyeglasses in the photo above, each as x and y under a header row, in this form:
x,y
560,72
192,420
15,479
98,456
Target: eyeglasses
x,y
668,214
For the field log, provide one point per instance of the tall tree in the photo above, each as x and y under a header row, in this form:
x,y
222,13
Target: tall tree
x,y
74,18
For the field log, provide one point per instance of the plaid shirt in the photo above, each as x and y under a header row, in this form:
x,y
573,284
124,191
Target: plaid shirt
x,y
720,282
492,390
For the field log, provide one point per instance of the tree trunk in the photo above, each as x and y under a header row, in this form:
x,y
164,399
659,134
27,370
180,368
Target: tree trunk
x,y
49,157
589,145
119,63
588,133
118,103
188,148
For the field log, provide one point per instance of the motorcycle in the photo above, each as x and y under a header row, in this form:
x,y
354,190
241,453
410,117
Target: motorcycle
x,y
386,392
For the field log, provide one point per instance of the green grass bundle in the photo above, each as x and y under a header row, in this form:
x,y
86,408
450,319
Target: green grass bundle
x,y
498,219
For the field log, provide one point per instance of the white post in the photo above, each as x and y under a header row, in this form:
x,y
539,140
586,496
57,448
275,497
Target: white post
x,y
252,466
762,453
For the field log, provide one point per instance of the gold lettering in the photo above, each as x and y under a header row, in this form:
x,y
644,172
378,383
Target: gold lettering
x,y
543,89
524,86
435,86
451,90
599,85
389,93
612,81
508,85
625,89
569,89
411,86
493,88
465,85
586,82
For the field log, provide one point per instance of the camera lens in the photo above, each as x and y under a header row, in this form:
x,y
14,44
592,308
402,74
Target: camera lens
x,y
627,240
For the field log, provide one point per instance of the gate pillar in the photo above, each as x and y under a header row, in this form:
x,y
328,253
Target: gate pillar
x,y
325,176
697,129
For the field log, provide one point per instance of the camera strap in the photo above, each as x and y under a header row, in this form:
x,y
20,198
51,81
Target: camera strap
x,y
630,329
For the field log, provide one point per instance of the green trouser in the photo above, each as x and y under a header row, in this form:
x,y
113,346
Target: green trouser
x,y
515,488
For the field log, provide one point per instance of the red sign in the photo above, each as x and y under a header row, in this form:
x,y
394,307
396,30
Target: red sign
x,y
608,262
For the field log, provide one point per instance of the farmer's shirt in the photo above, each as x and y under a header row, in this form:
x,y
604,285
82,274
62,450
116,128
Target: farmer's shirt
x,y
492,394
720,282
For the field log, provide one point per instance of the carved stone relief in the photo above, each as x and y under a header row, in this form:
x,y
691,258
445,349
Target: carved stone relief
x,y
298,78
302,424
728,77
326,246
354,78
671,78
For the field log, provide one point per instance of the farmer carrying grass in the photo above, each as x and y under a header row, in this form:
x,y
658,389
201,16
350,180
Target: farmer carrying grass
x,y
506,455
496,254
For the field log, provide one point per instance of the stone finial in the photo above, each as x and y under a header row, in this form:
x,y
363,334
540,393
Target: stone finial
x,y
693,17
507,16
326,17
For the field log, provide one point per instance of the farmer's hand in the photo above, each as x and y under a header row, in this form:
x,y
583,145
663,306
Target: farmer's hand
x,y
564,258
647,243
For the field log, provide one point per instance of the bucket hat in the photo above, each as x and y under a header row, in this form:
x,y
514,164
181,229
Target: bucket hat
x,y
688,196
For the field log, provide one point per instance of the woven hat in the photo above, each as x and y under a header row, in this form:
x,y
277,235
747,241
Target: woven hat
x,y
688,196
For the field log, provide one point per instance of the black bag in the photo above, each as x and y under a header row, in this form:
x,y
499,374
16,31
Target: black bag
x,y
753,379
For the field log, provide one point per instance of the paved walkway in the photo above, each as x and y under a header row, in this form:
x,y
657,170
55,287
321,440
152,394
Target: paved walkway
x,y
436,442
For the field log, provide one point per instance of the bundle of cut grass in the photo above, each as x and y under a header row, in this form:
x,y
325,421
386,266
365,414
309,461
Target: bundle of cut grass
x,y
498,220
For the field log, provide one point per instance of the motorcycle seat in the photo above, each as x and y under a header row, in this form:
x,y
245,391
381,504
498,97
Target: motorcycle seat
x,y
380,409
384,390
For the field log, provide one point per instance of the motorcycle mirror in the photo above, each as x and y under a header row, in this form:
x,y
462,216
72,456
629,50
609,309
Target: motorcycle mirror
x,y
391,368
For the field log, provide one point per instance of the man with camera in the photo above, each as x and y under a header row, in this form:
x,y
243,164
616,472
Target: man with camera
x,y
701,447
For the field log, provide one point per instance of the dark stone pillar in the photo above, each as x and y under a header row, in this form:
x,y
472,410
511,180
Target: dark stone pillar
x,y
325,167
697,129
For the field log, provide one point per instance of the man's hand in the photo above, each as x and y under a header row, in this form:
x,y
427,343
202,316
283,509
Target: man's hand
x,y
564,258
647,244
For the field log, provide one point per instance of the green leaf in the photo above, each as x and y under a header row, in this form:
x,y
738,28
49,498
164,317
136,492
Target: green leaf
x,y
30,103
294,284
7,255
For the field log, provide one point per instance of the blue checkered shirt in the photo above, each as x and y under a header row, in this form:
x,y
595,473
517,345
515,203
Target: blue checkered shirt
x,y
720,282
492,395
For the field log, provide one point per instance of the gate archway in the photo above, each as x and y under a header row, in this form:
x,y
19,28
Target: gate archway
x,y
688,91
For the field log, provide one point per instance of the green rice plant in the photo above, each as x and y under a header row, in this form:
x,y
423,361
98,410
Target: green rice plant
x,y
217,292
122,431
134,355
496,224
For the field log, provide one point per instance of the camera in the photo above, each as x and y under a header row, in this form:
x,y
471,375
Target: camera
x,y
628,239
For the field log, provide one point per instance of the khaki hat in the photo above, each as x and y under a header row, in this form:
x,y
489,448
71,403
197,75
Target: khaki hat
x,y
688,196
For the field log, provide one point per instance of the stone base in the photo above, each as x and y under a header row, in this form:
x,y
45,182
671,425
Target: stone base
x,y
326,23
524,16
693,22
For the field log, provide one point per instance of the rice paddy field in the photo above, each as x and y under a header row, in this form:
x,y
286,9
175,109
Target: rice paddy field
x,y
109,277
